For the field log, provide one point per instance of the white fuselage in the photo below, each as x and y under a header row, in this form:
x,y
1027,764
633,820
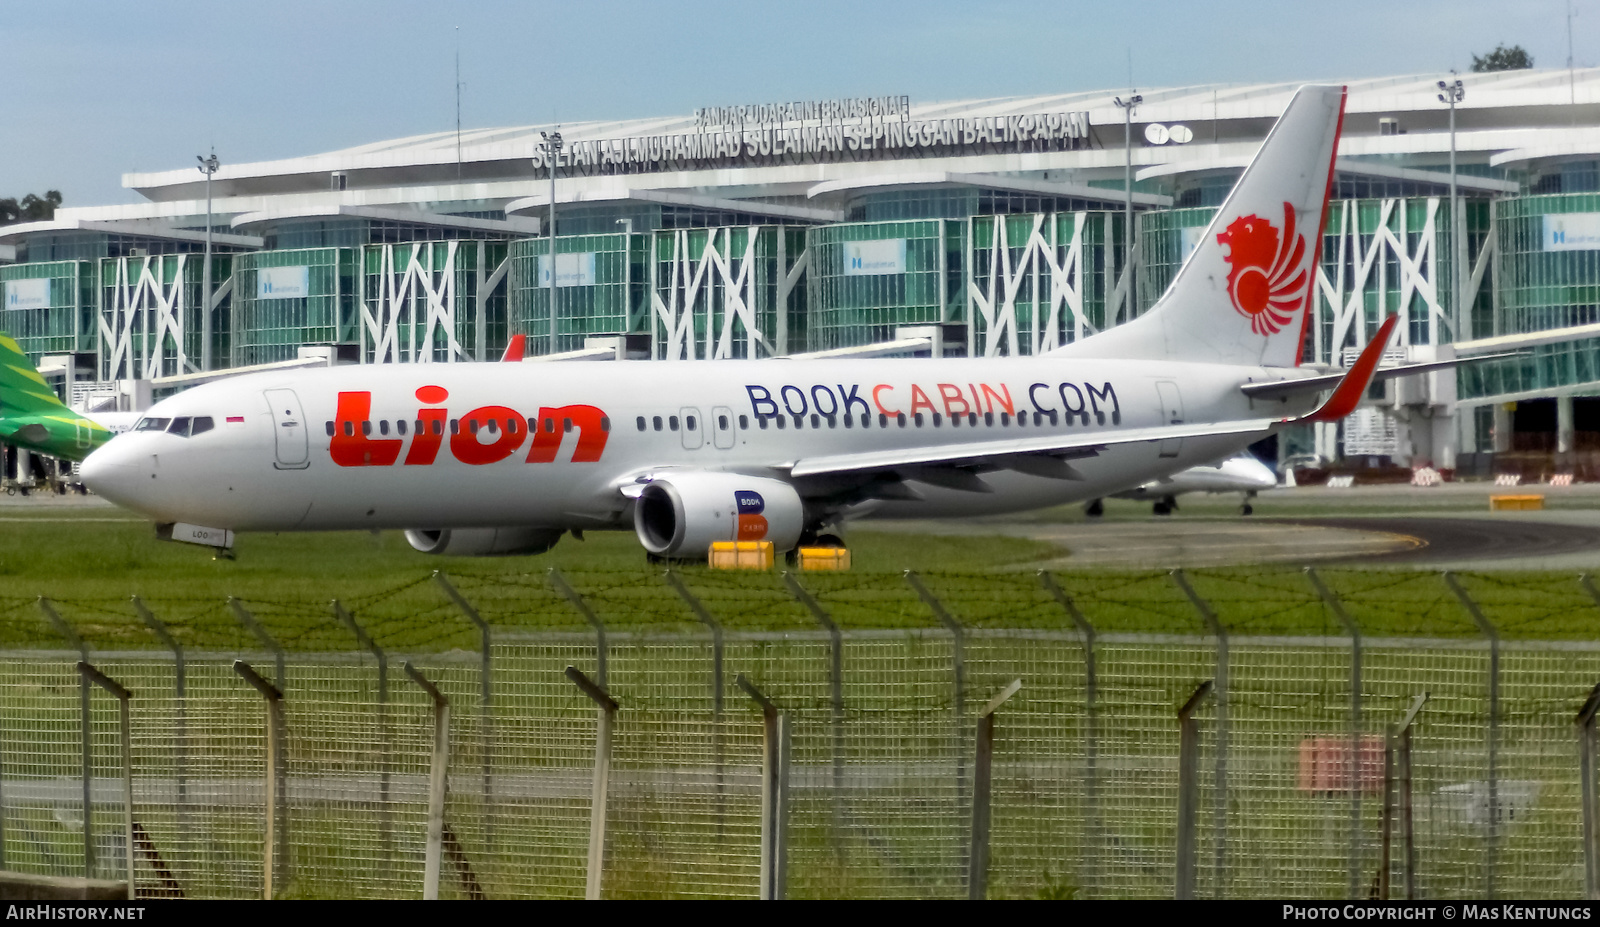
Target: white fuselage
x,y
269,463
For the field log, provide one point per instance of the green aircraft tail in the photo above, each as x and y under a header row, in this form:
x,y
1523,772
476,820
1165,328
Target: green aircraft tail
x,y
31,417
22,390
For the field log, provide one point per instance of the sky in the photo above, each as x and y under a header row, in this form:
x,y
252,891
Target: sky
x,y
91,90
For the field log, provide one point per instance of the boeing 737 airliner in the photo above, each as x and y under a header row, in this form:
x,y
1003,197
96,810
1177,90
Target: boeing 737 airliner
x,y
505,458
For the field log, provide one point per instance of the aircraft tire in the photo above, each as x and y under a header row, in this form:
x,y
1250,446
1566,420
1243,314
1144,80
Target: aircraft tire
x,y
1247,509
829,540
1095,508
1161,508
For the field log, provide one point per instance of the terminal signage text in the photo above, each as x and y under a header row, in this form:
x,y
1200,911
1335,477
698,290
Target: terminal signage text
x,y
28,294
283,282
1572,231
755,143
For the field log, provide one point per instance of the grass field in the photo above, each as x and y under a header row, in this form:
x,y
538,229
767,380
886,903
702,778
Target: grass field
x,y
91,560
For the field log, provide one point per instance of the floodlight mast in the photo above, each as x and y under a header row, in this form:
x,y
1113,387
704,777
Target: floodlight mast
x,y
1453,93
552,147
1127,186
208,166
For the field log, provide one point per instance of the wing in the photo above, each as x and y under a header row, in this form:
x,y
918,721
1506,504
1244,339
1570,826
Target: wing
x,y
1032,455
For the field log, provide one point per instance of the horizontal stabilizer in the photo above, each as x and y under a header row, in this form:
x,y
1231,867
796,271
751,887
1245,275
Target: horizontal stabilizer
x,y
1273,389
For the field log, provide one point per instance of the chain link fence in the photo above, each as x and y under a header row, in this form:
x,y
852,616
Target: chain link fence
x,y
515,782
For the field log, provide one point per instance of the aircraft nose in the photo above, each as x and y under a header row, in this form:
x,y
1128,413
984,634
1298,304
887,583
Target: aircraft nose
x,y
110,472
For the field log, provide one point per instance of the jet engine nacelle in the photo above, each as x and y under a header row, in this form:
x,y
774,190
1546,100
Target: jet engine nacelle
x,y
680,514
483,542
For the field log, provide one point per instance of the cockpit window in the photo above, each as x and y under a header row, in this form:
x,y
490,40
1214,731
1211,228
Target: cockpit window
x,y
202,423
152,424
179,426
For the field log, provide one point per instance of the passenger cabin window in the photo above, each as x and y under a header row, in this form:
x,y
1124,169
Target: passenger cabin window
x,y
655,422
744,422
383,427
152,424
455,426
688,422
366,428
722,422
330,429
400,426
672,422
641,423
605,423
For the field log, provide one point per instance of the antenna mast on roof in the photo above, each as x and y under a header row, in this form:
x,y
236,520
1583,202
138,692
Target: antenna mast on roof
x,y
458,104
1572,81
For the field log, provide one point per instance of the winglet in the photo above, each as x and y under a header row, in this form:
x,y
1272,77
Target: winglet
x,y
1348,393
514,350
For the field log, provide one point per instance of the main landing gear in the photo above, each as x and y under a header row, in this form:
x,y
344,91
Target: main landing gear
x,y
1094,508
1166,505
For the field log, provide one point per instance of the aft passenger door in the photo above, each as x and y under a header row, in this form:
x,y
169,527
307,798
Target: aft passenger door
x,y
693,429
1171,414
722,427
288,430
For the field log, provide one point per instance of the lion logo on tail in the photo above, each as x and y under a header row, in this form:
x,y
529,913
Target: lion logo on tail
x,y
1267,282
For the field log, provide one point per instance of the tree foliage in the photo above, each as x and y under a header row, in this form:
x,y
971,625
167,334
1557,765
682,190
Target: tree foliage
x,y
1502,58
31,208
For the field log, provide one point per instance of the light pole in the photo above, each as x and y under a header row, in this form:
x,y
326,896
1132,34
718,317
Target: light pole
x,y
208,166
1453,93
1127,186
552,148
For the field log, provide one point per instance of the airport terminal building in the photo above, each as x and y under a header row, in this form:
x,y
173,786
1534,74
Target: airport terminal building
x,y
866,226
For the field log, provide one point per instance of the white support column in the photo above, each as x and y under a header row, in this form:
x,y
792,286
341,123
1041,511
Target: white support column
x,y
1564,427
1502,427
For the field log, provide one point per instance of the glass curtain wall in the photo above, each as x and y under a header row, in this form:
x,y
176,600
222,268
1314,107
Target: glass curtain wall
x,y
699,276
273,316
397,280
143,297
1547,283
49,306
868,278
1055,268
600,284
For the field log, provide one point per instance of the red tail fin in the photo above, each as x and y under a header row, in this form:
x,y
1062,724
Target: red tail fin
x,y
514,350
